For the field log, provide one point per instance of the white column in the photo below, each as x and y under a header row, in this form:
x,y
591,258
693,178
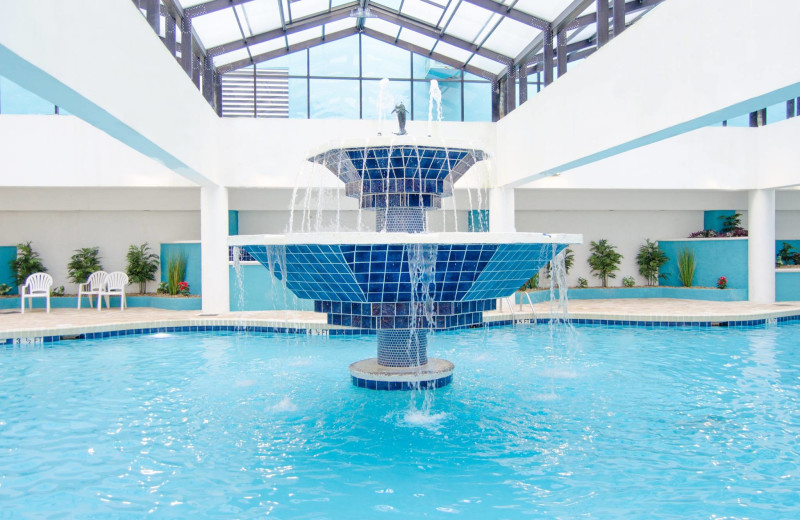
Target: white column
x,y
501,210
214,248
761,245
501,217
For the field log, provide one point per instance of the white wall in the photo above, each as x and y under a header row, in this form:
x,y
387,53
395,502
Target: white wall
x,y
50,150
107,66
625,229
272,153
56,234
678,69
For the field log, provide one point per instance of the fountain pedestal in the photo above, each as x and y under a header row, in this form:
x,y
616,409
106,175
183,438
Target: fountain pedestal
x,y
368,373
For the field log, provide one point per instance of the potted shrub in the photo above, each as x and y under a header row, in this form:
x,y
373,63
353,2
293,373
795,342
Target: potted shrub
x,y
83,263
142,265
650,259
604,260
686,267
26,263
628,281
176,273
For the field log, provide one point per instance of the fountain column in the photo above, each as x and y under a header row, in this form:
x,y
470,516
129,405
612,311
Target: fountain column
x,y
761,246
501,210
214,249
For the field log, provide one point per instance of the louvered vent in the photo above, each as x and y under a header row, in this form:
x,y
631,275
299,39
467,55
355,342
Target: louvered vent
x,y
263,94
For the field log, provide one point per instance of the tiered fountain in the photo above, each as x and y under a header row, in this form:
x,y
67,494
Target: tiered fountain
x,y
402,281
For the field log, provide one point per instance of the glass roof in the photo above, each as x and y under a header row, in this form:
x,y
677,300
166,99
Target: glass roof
x,y
481,36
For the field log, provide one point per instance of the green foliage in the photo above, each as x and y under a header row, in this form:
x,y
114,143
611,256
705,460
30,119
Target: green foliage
x,y
142,265
83,263
650,260
686,267
533,283
162,288
58,291
604,260
26,263
569,259
176,272
786,255
4,289
582,283
628,281
730,223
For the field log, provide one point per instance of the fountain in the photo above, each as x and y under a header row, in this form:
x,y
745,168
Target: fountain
x,y
401,281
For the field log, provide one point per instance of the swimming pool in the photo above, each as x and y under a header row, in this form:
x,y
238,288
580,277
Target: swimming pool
x,y
604,422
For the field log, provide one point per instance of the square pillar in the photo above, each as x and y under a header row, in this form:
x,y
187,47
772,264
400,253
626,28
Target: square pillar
x,y
501,210
761,246
547,51
214,249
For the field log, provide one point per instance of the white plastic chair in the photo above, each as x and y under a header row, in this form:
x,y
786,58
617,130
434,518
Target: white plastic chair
x,y
94,284
114,286
36,285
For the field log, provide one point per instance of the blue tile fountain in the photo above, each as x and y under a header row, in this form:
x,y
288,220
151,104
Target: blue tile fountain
x,y
401,281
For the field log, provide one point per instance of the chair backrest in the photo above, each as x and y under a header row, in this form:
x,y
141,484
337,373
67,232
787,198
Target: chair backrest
x,y
96,280
39,282
116,280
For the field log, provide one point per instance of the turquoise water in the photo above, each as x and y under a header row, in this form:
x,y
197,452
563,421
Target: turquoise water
x,y
595,422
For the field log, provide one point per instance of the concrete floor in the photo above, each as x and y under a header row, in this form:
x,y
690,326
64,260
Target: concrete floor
x,y
73,321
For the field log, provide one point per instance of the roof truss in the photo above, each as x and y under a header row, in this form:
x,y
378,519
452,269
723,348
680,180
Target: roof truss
x,y
531,56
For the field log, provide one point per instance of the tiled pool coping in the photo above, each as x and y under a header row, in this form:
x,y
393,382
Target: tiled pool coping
x,y
53,328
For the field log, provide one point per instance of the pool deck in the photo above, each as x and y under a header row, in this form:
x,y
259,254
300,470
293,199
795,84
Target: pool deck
x,y
63,323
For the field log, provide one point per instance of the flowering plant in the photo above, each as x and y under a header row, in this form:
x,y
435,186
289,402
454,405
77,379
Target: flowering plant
x,y
183,288
722,282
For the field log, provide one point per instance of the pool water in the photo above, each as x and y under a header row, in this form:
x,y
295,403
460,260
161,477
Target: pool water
x,y
590,422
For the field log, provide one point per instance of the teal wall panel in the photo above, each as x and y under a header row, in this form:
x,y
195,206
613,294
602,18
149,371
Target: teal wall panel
x,y
191,250
7,254
612,293
176,303
712,220
787,286
714,258
259,290
233,222
478,220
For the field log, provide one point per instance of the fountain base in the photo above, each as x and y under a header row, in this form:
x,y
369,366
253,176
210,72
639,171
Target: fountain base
x,y
367,373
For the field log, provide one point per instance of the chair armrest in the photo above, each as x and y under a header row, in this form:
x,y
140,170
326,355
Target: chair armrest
x,y
83,286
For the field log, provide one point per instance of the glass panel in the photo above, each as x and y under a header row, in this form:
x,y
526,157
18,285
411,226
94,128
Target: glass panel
x,y
473,77
17,100
451,101
334,98
381,60
338,58
296,62
426,68
478,101
398,91
298,98
776,113
743,120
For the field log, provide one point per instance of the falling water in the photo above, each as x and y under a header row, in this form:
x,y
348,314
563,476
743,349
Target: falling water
x,y
422,275
385,100
434,97
559,313
237,268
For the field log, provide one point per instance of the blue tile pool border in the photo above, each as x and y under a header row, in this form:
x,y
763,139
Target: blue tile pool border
x,y
256,329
